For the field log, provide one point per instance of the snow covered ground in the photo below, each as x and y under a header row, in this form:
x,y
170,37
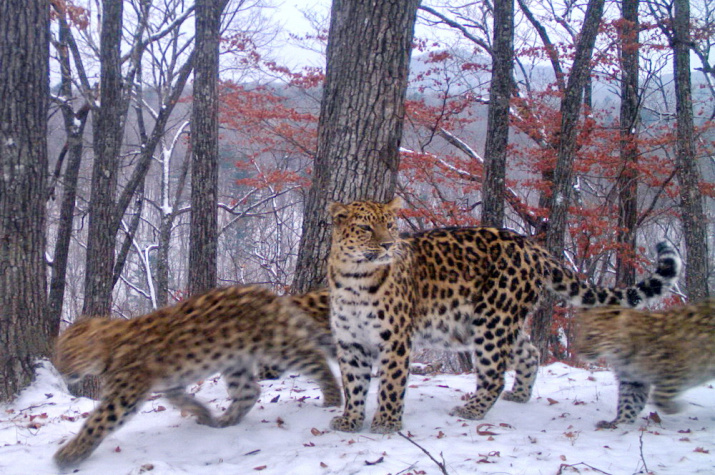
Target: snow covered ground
x,y
287,433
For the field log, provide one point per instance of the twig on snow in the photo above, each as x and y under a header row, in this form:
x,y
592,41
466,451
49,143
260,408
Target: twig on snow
x,y
566,465
441,464
640,442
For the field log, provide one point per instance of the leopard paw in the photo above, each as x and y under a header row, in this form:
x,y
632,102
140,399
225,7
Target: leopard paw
x,y
516,396
346,424
606,425
386,426
465,412
70,456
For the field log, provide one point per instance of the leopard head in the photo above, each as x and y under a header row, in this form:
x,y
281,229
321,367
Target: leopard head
x,y
364,232
81,350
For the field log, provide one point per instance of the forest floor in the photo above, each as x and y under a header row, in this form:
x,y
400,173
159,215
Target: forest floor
x,y
287,432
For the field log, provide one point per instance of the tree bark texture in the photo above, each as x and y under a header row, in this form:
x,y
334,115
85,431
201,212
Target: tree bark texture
x,y
73,149
627,181
24,89
361,116
570,112
108,131
691,200
559,201
204,143
501,86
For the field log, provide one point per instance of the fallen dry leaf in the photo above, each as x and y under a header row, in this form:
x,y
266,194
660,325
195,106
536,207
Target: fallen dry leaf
x,y
481,431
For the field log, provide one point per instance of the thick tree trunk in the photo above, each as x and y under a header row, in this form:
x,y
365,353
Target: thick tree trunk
x,y
25,331
560,199
691,205
361,115
108,134
494,189
627,181
108,131
204,143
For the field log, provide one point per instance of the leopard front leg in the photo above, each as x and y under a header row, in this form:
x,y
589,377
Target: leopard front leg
x,y
632,396
121,399
355,365
394,369
525,362
490,366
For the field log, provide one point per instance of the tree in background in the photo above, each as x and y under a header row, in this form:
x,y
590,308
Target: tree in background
x,y
204,145
25,332
691,199
500,92
627,181
108,132
361,114
559,198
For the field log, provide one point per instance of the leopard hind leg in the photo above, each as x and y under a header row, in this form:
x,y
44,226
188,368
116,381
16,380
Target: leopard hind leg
x,y
490,362
525,361
312,362
243,390
186,402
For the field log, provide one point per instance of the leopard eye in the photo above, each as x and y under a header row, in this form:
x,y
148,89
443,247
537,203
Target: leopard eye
x,y
365,227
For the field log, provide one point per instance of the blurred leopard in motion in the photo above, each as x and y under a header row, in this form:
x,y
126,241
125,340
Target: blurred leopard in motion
x,y
670,351
231,330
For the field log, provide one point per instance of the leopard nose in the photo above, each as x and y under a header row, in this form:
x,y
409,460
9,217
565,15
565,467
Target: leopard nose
x,y
387,245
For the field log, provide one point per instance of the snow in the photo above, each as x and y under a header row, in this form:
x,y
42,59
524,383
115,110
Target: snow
x,y
287,432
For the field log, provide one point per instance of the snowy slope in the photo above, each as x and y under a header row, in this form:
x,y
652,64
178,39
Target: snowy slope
x,y
287,433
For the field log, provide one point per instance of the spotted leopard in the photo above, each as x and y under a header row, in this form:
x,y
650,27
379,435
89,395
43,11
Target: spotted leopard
x,y
465,289
229,330
670,351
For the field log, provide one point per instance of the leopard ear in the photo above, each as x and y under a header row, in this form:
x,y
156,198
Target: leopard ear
x,y
395,204
338,211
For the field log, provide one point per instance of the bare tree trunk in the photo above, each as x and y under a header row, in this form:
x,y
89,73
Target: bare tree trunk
x,y
108,134
559,201
501,86
692,214
361,115
73,150
204,143
627,181
25,331
165,228
108,131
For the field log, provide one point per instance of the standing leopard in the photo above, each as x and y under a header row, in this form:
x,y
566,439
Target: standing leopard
x,y
458,289
671,351
229,330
